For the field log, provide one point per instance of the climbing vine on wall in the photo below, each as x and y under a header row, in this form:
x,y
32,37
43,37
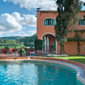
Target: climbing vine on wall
x,y
77,38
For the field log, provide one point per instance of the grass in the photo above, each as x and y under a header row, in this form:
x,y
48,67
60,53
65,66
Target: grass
x,y
1,47
80,59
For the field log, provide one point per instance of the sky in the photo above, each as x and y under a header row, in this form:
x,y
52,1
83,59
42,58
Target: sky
x,y
18,17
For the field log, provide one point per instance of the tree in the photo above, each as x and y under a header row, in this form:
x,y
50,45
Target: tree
x,y
67,19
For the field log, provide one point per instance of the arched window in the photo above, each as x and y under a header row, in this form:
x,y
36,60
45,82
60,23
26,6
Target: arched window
x,y
49,21
84,48
81,22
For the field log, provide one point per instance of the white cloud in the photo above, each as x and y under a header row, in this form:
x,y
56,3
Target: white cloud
x,y
29,4
82,0
9,23
14,21
32,32
43,4
1,33
29,33
28,20
22,34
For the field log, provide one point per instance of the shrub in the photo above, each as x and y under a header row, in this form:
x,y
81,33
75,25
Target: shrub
x,y
6,47
38,44
79,54
21,51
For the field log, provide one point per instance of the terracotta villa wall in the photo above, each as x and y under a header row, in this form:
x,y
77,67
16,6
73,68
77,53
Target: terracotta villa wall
x,y
70,47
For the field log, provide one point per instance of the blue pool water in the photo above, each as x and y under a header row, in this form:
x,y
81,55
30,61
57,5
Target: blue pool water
x,y
36,73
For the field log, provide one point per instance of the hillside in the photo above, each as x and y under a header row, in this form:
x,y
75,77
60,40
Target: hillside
x,y
11,37
28,41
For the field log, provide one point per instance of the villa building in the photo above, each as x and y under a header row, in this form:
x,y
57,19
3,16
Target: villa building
x,y
45,31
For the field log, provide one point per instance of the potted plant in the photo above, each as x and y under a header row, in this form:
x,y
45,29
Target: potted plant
x,y
21,51
5,51
14,50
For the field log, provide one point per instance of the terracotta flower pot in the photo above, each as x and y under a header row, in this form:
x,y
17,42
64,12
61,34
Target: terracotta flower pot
x,y
35,51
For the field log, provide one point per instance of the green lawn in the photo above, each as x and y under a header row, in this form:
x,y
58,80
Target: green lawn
x,y
80,59
1,47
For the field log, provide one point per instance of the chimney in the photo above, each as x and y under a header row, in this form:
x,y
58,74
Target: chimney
x,y
38,9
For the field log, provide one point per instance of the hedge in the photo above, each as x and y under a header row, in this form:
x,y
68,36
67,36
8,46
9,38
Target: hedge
x,y
74,39
38,44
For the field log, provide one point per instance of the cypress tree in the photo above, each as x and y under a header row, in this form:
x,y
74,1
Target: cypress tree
x,y
67,19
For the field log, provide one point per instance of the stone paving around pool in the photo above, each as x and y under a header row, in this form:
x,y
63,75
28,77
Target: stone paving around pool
x,y
10,55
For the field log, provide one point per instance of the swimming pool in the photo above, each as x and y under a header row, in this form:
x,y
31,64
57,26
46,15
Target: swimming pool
x,y
36,73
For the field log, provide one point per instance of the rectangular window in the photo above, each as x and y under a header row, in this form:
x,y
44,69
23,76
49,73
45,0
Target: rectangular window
x,y
84,48
81,22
